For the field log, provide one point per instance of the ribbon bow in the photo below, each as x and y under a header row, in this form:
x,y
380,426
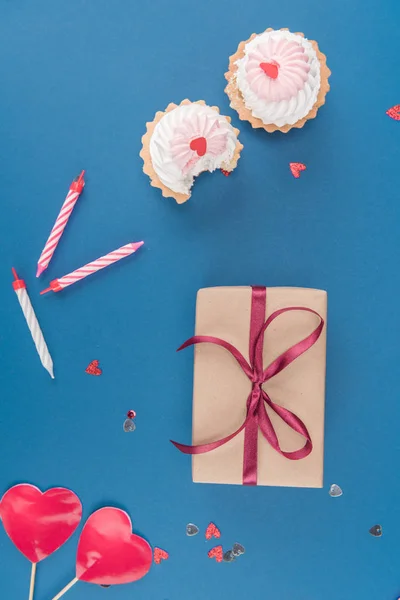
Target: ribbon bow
x,y
258,399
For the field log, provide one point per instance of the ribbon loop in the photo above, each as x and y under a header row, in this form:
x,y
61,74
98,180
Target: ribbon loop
x,y
257,416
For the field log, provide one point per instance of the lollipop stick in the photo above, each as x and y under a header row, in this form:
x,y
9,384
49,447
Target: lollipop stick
x,y
67,587
32,585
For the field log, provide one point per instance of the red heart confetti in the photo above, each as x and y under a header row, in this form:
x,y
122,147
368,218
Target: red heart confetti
x,y
296,169
394,112
108,552
199,145
217,553
93,368
212,531
39,523
226,173
270,69
160,555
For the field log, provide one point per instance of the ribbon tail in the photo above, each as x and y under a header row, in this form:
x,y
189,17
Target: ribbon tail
x,y
250,456
203,448
292,421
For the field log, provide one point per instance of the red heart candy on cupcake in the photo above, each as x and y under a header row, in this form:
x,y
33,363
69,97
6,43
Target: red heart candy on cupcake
x,y
39,523
270,69
108,552
199,145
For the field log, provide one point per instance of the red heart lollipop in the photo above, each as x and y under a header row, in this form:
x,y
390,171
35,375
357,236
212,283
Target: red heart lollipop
x,y
108,552
39,523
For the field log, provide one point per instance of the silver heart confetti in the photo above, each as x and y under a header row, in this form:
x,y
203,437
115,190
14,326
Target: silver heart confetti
x,y
129,425
191,529
238,549
335,491
229,556
376,531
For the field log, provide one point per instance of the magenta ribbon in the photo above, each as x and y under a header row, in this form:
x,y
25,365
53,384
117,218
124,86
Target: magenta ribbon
x,y
257,415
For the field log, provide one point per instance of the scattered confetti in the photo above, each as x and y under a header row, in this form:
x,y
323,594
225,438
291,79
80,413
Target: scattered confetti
x,y
212,531
296,169
191,529
229,556
226,173
376,530
238,549
160,555
217,553
129,423
93,368
394,112
335,491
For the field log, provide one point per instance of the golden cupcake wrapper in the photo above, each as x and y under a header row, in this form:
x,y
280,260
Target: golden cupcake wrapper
x,y
245,114
148,165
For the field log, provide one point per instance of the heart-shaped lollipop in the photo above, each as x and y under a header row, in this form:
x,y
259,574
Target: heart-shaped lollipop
x,y
38,523
108,552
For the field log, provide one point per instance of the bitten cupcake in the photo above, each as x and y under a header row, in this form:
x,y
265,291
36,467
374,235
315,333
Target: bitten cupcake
x,y
277,80
183,142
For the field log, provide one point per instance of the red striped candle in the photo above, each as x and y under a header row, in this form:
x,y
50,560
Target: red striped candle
x,y
104,261
73,194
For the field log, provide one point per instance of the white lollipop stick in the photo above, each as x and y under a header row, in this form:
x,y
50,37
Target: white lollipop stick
x,y
32,585
66,588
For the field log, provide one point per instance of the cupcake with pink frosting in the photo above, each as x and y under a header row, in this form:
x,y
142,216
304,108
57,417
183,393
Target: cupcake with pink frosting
x,y
277,80
184,141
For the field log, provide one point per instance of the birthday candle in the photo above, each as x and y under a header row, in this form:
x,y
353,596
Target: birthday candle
x,y
29,314
58,228
104,261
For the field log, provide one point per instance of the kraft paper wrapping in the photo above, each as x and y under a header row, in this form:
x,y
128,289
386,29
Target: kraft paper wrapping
x,y
221,388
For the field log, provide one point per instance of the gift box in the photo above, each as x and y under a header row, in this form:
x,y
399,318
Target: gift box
x,y
259,386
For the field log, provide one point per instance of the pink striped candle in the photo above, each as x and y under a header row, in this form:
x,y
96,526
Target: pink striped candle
x,y
73,194
104,261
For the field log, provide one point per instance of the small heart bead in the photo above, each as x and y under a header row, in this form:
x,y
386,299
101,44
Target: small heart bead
x,y
376,531
129,425
191,529
238,549
229,556
335,491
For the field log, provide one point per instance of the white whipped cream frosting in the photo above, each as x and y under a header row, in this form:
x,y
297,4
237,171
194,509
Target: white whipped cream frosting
x,y
300,101
174,161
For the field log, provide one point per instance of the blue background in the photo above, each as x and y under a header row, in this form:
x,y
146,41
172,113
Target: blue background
x,y
79,79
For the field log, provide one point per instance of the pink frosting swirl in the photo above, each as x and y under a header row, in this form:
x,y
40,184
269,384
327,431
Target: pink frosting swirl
x,y
196,137
277,69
